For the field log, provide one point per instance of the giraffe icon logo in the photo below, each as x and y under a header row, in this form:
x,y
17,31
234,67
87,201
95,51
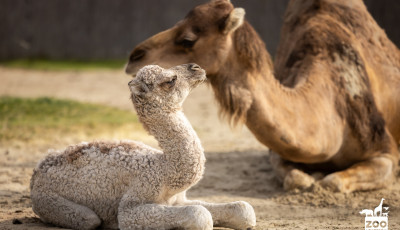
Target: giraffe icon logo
x,y
376,219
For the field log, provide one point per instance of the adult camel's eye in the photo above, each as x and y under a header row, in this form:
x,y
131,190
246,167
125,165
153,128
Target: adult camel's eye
x,y
187,43
186,39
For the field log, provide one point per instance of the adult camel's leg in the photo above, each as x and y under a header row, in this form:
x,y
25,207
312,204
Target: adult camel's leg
x,y
377,171
291,176
374,173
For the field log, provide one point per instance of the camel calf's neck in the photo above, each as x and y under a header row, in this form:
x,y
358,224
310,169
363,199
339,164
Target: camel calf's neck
x,y
181,146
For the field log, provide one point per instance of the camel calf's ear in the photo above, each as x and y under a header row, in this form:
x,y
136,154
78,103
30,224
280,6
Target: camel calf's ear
x,y
234,20
138,88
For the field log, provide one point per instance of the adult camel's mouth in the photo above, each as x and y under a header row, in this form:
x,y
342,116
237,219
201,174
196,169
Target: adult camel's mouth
x,y
129,70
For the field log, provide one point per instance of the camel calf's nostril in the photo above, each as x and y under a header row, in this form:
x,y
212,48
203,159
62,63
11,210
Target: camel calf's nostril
x,y
193,66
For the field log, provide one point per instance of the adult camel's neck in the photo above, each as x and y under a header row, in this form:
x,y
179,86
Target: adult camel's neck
x,y
181,146
290,121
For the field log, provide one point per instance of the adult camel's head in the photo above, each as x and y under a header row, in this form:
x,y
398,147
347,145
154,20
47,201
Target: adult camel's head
x,y
204,36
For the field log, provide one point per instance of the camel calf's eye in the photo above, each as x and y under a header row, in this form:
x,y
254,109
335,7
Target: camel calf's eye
x,y
170,83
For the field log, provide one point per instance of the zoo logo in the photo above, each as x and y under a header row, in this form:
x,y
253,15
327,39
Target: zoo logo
x,y
377,219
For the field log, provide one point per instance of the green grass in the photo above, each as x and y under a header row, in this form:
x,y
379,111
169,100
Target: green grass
x,y
59,65
27,119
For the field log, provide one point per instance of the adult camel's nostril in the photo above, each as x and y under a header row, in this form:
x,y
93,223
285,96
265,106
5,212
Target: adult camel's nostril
x,y
137,54
194,67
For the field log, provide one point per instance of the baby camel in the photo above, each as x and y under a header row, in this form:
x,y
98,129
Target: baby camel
x,y
129,185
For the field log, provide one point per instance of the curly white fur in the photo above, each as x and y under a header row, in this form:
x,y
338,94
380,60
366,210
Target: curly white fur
x,y
129,185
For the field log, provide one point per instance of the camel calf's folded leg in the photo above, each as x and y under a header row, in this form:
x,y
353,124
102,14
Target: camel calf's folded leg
x,y
59,211
132,215
374,173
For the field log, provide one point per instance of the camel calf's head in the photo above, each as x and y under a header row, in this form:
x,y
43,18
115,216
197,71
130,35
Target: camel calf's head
x,y
157,88
203,37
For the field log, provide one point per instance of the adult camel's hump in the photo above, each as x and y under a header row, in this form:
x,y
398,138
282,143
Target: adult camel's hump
x,y
363,58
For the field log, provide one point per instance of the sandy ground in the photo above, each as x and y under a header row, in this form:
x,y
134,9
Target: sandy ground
x,y
237,165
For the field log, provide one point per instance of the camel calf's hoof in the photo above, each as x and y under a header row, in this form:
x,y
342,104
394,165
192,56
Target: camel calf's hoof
x,y
199,218
297,179
241,216
247,214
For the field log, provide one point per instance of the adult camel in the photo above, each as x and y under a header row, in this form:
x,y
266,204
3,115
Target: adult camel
x,y
331,101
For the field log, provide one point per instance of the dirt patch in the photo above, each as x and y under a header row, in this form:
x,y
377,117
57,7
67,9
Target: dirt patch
x,y
237,165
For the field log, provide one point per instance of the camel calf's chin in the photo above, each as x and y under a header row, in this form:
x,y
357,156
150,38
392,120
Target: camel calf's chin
x,y
129,185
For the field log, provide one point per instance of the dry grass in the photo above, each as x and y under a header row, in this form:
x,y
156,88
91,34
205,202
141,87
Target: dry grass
x,y
47,119
62,65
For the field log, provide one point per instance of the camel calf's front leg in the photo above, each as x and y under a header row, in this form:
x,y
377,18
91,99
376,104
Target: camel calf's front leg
x,y
374,173
133,215
236,215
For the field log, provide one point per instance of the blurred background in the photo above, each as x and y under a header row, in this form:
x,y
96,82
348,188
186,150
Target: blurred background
x,y
62,82
104,29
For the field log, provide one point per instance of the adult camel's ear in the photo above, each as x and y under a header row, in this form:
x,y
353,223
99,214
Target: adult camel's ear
x,y
234,20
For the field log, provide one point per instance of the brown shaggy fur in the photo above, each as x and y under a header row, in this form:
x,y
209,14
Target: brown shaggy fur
x,y
233,97
337,42
73,152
